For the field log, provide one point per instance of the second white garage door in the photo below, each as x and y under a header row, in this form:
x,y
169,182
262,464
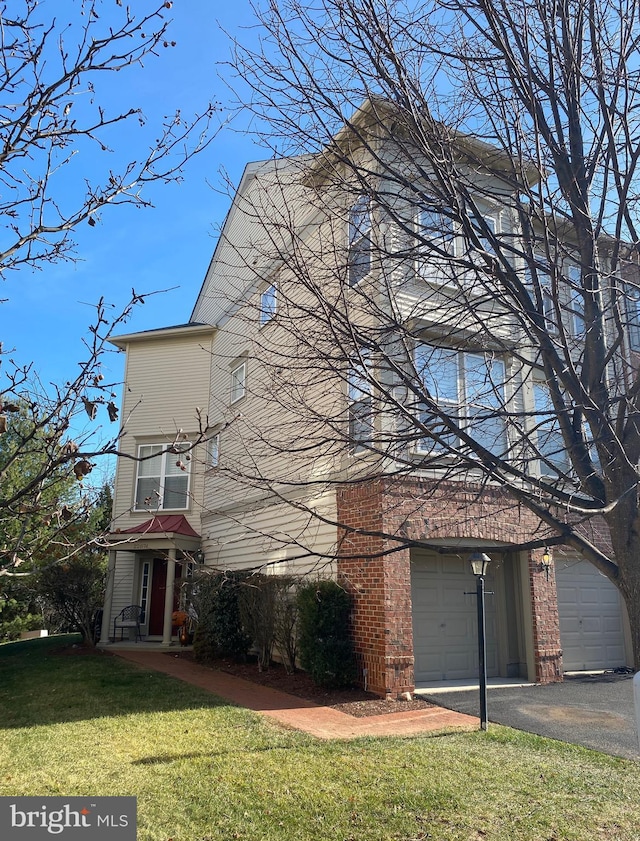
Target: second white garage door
x,y
590,611
445,640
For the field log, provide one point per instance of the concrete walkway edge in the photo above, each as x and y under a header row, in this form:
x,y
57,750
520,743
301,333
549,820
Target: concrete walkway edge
x,y
297,713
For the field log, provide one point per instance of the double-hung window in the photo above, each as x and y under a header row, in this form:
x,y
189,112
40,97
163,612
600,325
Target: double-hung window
x,y
268,303
632,296
238,382
576,300
488,222
549,439
544,279
467,389
360,396
359,240
163,478
213,449
436,240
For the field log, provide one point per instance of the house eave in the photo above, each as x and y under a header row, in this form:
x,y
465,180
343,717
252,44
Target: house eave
x,y
191,330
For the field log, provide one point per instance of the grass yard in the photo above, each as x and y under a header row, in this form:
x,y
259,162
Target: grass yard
x,y
204,770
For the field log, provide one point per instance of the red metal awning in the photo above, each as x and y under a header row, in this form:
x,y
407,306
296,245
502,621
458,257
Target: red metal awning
x,y
162,524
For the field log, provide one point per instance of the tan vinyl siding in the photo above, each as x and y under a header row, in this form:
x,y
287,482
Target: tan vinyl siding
x,y
272,536
166,381
125,577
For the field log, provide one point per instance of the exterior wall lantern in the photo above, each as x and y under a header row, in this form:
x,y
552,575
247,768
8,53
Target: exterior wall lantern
x,y
479,566
545,563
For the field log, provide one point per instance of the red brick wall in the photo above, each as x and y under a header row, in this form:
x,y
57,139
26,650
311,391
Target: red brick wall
x,y
381,587
546,622
380,579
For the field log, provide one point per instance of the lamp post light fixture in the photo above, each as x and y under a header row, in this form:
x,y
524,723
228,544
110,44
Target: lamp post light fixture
x,y
479,565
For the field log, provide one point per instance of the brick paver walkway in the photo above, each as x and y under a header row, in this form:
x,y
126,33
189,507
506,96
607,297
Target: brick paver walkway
x,y
322,722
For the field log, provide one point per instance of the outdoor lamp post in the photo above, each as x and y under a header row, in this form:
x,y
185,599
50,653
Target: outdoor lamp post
x,y
479,564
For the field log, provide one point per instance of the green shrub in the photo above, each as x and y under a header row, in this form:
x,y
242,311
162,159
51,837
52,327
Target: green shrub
x,y
286,621
220,632
326,650
258,614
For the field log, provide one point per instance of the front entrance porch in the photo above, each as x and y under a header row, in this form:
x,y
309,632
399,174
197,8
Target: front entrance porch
x,y
146,564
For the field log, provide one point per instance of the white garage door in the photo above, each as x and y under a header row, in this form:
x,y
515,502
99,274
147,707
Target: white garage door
x,y
445,639
590,610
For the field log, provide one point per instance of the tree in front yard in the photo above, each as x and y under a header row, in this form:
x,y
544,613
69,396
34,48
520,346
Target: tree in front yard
x,y
465,281
71,149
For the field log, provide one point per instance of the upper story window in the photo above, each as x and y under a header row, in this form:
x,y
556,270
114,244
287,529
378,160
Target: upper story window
x,y
436,240
469,389
213,450
238,382
268,303
544,280
163,477
359,240
488,222
437,228
549,439
360,396
632,296
576,299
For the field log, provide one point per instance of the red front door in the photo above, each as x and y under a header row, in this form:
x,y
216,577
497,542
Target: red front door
x,y
158,588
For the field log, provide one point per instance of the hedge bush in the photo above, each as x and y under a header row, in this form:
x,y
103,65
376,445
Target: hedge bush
x,y
326,649
220,631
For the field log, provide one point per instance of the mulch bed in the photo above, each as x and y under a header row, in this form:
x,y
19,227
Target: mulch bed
x,y
353,701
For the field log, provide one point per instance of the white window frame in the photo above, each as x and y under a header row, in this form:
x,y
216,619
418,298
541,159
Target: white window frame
x,y
552,448
548,303
435,227
213,450
238,387
462,406
576,300
167,471
268,303
491,220
360,225
632,306
360,399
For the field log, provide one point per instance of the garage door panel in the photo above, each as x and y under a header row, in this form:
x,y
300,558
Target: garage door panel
x,y
445,621
590,612
612,625
456,628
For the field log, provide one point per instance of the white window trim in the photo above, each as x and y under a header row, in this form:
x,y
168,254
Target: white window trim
x,y
157,503
461,406
431,266
213,451
545,283
359,396
542,424
576,300
238,387
632,308
268,314
357,236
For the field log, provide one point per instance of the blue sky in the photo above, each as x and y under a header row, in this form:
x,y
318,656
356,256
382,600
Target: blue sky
x,y
168,246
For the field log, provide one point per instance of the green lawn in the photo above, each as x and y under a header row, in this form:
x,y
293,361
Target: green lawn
x,y
201,769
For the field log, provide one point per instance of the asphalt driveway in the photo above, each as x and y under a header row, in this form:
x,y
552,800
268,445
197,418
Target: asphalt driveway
x,y
596,711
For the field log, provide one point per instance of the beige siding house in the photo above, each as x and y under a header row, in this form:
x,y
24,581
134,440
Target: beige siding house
x,y
160,475
207,414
